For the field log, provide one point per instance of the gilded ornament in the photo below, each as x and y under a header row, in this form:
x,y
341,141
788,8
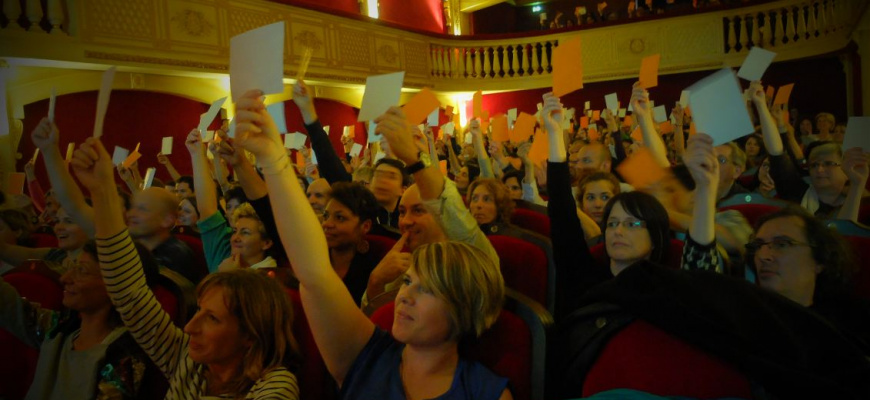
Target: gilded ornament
x,y
388,53
309,39
637,46
193,23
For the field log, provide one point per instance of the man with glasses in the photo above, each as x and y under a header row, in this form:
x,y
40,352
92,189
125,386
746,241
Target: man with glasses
x,y
732,163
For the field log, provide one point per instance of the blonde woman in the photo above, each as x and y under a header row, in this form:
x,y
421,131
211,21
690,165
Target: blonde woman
x,y
450,290
240,342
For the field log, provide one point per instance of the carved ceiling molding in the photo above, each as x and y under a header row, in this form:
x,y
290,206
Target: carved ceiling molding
x,y
193,23
156,60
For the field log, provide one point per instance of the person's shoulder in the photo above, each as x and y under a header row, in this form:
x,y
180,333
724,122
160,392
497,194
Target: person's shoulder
x,y
278,383
480,381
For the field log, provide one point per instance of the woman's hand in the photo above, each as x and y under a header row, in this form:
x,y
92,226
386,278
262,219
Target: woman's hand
x,y
230,263
92,165
303,99
640,102
398,134
701,160
194,143
256,132
45,135
856,165
552,115
757,94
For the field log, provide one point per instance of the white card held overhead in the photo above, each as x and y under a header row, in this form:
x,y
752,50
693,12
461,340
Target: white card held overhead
x,y
257,60
207,136
166,146
231,131
857,134
718,109
295,140
587,105
684,98
119,155
512,116
448,128
206,119
621,113
103,100
612,102
373,136
51,104
355,150
276,110
382,92
379,156
660,114
313,157
149,177
755,64
432,120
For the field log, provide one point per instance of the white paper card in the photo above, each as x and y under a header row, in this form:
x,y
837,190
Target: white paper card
x,y
857,133
621,113
382,92
718,109
346,131
684,98
103,100
512,116
294,140
119,155
660,114
587,105
51,104
207,136
755,64
231,131
468,138
326,129
448,128
166,146
380,155
612,102
432,120
355,150
373,137
149,177
206,119
257,60
276,110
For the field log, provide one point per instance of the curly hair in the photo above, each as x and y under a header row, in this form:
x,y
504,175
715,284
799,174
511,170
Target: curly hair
x,y
501,196
357,198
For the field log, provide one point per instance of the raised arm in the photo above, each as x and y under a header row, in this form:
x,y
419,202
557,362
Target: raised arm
x,y
34,189
772,140
329,162
643,115
162,159
340,329
120,264
206,197
679,134
479,149
855,165
785,128
68,194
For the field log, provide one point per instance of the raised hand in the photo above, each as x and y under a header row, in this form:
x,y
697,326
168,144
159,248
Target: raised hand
x,y
162,159
393,265
398,134
225,150
552,114
193,142
701,160
256,132
856,165
45,135
640,101
678,115
92,165
303,98
523,151
125,173
30,169
757,94
230,263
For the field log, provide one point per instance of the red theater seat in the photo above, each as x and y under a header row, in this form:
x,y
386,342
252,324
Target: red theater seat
x,y
531,220
645,358
314,379
752,205
195,244
524,267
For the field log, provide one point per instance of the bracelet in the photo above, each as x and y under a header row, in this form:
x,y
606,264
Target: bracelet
x,y
276,166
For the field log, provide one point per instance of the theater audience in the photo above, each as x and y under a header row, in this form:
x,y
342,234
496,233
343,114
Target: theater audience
x,y
431,314
239,343
85,352
594,191
70,239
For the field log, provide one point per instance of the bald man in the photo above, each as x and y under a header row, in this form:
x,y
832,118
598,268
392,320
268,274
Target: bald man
x,y
596,157
150,219
318,195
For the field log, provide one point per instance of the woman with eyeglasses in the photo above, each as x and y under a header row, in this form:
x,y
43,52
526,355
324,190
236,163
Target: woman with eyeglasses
x,y
797,256
636,226
837,178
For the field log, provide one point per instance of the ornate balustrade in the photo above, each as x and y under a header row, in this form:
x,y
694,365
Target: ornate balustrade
x,y
191,38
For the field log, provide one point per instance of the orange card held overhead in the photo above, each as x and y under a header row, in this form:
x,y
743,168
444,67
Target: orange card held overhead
x,y
584,122
636,135
500,128
523,128
540,150
596,115
666,127
420,106
132,157
783,94
443,165
593,134
649,71
567,67
641,169
15,183
769,92
477,111
692,129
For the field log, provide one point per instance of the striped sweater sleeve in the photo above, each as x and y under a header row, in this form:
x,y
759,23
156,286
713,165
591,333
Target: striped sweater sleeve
x,y
142,314
279,384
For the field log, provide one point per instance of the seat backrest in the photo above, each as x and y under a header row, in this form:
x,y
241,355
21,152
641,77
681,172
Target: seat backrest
x,y
645,358
861,251
523,266
314,379
380,245
531,220
195,244
673,260
752,205
176,295
43,240
505,348
37,288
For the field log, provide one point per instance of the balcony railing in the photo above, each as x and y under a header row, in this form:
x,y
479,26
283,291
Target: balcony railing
x,y
184,35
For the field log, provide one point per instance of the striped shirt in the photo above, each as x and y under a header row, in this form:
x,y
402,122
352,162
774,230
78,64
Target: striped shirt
x,y
166,344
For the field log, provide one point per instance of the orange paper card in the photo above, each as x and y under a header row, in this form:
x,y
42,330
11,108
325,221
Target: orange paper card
x,y
540,150
456,125
484,121
649,71
478,105
567,67
300,159
666,127
15,183
641,170
783,94
500,128
628,120
523,128
596,115
132,157
443,165
420,106
636,135
769,92
584,122
448,110
593,135
692,129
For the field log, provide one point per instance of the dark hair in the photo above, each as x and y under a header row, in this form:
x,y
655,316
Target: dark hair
x,y
519,175
186,179
646,208
168,183
357,198
406,177
192,200
156,182
828,247
814,145
681,172
473,170
237,193
760,140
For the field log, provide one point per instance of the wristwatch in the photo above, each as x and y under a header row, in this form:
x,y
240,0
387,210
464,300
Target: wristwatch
x,y
424,162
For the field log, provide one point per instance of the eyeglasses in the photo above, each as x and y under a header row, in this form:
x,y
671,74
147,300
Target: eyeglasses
x,y
778,244
627,224
826,164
